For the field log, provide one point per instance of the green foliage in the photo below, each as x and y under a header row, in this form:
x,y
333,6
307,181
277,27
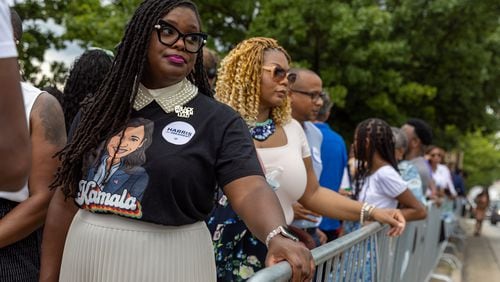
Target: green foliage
x,y
438,60
481,158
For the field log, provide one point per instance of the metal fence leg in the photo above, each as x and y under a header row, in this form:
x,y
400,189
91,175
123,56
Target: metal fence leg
x,y
441,277
452,260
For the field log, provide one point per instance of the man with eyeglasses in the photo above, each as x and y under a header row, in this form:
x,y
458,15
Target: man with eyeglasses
x,y
306,93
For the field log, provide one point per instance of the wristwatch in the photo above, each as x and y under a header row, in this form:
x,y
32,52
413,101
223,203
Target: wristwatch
x,y
283,232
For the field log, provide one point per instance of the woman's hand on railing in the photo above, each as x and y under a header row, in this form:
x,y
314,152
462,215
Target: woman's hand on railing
x,y
295,253
393,217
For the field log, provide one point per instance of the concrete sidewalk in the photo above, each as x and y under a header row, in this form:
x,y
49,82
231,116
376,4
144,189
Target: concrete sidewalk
x,y
482,254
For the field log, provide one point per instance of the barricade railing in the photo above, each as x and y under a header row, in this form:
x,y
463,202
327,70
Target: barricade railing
x,y
368,254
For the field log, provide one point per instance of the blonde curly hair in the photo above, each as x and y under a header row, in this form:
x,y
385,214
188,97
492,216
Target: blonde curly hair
x,y
239,80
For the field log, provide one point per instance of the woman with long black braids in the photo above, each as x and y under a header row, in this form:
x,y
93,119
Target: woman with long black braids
x,y
94,232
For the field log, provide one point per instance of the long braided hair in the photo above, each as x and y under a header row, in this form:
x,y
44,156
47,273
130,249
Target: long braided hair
x,y
239,79
110,109
372,135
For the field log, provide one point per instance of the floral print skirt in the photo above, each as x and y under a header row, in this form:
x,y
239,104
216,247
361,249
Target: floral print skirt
x,y
238,254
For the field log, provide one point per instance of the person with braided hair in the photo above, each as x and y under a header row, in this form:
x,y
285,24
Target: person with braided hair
x,y
85,77
154,119
253,79
378,182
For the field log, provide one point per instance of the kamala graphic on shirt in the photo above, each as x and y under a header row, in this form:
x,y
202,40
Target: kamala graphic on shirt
x,y
116,181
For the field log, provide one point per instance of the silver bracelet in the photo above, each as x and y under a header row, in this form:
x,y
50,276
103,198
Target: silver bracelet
x,y
280,230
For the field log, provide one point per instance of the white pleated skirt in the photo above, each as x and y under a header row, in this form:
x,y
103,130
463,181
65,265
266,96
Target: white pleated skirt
x,y
108,248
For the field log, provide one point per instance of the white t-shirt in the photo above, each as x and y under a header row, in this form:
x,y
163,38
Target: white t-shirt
x,y
442,177
286,163
7,45
382,187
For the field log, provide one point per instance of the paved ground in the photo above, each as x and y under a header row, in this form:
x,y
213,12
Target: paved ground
x,y
482,254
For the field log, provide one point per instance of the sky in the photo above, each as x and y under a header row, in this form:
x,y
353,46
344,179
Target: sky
x,y
67,55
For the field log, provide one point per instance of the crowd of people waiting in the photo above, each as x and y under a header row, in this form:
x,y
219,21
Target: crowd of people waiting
x,y
157,162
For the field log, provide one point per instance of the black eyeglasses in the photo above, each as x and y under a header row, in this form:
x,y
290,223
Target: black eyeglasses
x,y
168,35
313,95
279,73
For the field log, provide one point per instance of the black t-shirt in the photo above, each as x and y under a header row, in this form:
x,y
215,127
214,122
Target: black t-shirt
x,y
166,167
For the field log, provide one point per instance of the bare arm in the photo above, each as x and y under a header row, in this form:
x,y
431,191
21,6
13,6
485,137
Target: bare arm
x,y
331,204
15,151
48,136
247,190
412,209
59,217
325,201
255,202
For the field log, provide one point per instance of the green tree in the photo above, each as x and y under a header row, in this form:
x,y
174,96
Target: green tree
x,y
393,59
455,48
481,158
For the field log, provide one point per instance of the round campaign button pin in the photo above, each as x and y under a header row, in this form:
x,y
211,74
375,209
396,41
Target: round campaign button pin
x,y
178,132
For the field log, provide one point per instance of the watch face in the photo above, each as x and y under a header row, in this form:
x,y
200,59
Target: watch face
x,y
289,234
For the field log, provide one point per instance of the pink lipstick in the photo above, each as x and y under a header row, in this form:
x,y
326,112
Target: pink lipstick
x,y
176,59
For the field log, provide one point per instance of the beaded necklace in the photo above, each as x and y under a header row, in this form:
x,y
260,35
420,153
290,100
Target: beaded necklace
x,y
262,130
168,98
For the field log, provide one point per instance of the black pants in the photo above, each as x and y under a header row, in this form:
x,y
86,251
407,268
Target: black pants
x,y
19,262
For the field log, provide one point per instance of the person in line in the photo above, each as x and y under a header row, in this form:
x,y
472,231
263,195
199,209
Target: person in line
x,y
440,172
15,147
253,80
210,62
22,213
335,170
408,171
419,135
306,98
196,143
377,180
482,202
85,77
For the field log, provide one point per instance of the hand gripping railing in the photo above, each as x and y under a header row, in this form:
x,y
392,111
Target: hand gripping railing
x,y
368,254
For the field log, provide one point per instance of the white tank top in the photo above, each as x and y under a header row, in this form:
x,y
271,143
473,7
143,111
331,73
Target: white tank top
x,y
30,94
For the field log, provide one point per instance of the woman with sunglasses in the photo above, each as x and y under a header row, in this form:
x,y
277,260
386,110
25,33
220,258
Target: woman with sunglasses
x,y
440,172
253,80
95,232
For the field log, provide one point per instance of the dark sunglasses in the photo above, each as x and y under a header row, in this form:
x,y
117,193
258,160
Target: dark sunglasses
x,y
313,95
278,73
168,35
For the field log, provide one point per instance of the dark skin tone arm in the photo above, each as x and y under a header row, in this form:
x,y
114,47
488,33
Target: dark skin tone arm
x,y
48,136
331,204
411,208
59,217
256,203
15,148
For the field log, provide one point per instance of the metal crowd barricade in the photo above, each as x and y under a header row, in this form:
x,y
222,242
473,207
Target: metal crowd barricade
x,y
411,257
